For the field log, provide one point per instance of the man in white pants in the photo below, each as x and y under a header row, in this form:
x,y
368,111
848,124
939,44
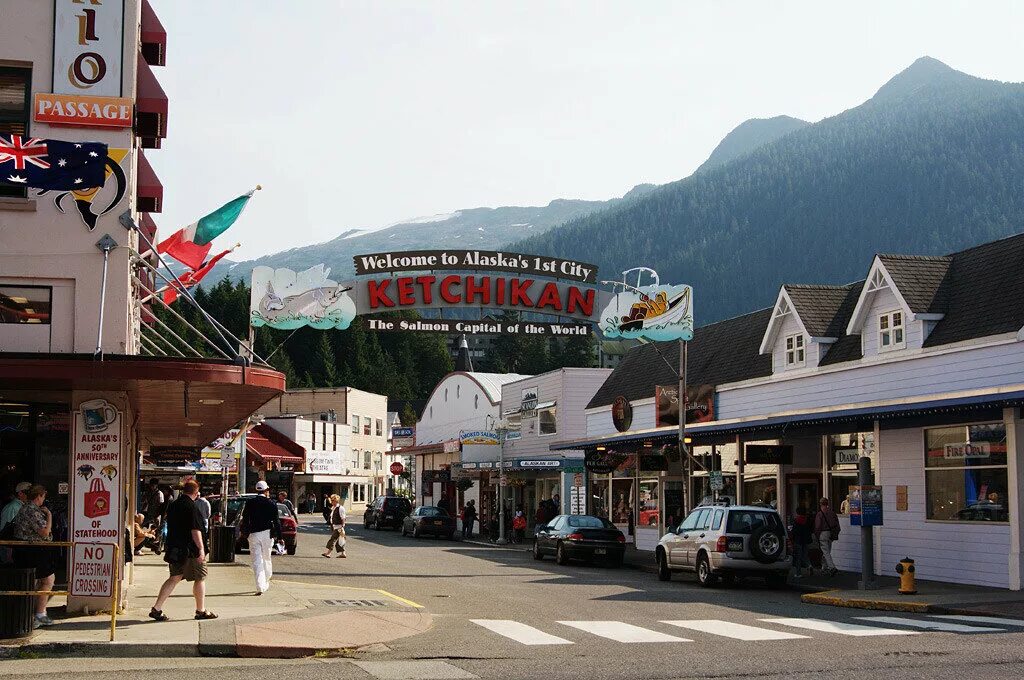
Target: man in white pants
x,y
262,525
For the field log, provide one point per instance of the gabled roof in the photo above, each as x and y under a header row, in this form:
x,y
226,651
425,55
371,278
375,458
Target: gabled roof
x,y
847,347
921,280
719,353
818,307
985,293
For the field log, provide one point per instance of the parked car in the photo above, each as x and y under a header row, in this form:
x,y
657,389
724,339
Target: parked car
x,y
722,542
289,527
429,519
386,511
569,537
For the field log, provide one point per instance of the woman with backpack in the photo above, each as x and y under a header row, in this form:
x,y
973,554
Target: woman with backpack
x,y
826,529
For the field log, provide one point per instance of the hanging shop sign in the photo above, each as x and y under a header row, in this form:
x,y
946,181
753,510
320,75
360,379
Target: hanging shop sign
x,y
648,311
847,456
530,398
602,462
403,436
479,438
88,47
700,404
761,454
535,464
622,414
97,490
173,456
82,110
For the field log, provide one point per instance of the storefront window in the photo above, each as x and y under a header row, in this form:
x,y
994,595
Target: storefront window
x,y
761,491
622,502
843,454
547,422
599,498
649,502
673,503
965,473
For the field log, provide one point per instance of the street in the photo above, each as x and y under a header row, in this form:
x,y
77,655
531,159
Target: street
x,y
498,613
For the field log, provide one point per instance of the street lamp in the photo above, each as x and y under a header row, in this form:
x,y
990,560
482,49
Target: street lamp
x,y
501,428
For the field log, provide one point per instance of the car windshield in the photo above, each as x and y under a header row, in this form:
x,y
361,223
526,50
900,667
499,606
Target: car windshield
x,y
432,512
748,521
282,510
587,522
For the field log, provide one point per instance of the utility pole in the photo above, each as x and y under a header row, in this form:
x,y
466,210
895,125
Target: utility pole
x,y
684,453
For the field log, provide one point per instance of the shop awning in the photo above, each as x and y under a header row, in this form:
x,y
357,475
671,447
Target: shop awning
x,y
152,36
150,106
149,190
180,402
267,445
885,412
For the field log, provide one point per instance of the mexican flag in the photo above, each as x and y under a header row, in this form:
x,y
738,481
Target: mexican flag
x,y
191,245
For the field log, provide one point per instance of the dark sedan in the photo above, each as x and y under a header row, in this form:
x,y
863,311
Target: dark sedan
x,y
429,520
581,537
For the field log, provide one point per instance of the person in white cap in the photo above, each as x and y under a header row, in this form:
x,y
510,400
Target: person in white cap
x,y
19,499
263,527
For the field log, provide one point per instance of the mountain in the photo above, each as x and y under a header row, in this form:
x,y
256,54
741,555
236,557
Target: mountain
x,y
485,228
932,164
751,135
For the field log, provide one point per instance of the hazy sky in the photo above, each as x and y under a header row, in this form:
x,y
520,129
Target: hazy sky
x,y
364,113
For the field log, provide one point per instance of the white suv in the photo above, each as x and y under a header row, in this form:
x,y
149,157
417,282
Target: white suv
x,y
718,541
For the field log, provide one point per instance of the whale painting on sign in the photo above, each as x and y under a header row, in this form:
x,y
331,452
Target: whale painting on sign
x,y
284,299
650,311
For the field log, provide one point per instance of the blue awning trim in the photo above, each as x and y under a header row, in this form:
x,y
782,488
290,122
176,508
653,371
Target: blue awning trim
x,y
850,414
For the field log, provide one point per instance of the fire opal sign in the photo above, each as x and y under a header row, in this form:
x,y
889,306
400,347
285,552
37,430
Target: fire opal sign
x,y
469,283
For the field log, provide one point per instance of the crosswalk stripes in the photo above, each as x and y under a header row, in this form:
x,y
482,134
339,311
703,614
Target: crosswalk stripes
x,y
941,626
839,627
994,620
736,631
520,632
622,632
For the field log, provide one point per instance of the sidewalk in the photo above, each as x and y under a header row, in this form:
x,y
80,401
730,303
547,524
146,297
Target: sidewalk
x,y
291,620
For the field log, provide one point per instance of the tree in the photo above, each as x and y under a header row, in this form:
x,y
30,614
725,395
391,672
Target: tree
x,y
408,415
325,372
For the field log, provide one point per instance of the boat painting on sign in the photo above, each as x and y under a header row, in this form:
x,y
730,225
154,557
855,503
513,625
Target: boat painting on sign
x,y
284,299
649,311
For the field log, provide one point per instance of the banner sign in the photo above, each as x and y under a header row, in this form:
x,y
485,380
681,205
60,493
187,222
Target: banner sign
x,y
479,438
403,436
88,47
474,260
97,491
67,109
495,327
700,404
652,312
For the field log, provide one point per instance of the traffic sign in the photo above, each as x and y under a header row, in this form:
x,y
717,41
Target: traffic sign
x,y
717,483
397,468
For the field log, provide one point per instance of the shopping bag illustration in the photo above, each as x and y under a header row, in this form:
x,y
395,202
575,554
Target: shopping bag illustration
x,y
97,499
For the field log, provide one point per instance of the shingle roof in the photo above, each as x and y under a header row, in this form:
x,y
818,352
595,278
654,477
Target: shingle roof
x,y
922,281
985,293
719,353
818,306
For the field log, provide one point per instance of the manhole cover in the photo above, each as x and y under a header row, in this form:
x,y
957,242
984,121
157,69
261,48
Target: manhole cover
x,y
356,603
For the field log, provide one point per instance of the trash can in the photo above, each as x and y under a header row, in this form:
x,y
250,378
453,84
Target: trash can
x,y
16,611
222,544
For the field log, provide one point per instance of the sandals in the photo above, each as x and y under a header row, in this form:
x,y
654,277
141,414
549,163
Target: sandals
x,y
204,615
326,554
157,614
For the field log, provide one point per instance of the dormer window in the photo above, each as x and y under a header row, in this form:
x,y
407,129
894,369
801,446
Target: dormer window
x,y
891,332
795,353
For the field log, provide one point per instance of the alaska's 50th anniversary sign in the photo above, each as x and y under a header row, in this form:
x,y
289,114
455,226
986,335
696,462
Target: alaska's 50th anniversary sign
x,y
549,288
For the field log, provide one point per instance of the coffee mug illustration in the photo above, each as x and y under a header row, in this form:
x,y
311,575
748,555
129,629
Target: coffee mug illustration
x,y
98,414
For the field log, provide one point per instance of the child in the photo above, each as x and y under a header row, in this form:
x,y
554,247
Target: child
x,y
519,527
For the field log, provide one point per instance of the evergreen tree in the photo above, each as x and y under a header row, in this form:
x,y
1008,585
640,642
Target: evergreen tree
x,y
408,415
325,372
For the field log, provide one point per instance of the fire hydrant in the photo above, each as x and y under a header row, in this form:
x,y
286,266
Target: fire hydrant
x,y
908,582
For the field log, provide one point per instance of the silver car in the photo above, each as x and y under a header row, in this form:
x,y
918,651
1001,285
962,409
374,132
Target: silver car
x,y
722,542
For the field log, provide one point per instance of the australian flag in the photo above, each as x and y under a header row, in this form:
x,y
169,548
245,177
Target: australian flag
x,y
51,164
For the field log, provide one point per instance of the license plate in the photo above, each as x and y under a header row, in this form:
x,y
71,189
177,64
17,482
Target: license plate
x,y
600,551
438,523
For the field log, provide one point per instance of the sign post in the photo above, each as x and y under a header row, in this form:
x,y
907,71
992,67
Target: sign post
x,y
867,535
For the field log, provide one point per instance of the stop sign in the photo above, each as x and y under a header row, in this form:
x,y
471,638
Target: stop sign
x,y
397,468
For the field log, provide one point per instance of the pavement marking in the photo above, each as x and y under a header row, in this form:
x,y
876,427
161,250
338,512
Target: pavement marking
x,y
931,625
414,670
839,627
520,632
400,599
368,590
622,632
737,631
979,619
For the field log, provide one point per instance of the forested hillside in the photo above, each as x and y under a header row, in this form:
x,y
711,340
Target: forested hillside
x,y
932,164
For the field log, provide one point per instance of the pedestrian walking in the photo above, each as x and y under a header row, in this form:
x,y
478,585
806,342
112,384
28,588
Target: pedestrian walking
x,y
261,525
468,518
184,553
802,538
338,517
826,529
34,524
153,503
518,527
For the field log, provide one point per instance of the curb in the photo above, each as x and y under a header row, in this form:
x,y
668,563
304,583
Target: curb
x,y
866,603
98,649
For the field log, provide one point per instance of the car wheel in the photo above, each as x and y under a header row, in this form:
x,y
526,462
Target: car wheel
x,y
537,554
704,575
561,556
775,579
664,573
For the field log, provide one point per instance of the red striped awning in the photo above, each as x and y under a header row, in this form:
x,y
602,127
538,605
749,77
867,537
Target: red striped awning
x,y
153,36
272,447
148,189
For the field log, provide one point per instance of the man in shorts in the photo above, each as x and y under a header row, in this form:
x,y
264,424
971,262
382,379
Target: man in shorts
x,y
184,552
